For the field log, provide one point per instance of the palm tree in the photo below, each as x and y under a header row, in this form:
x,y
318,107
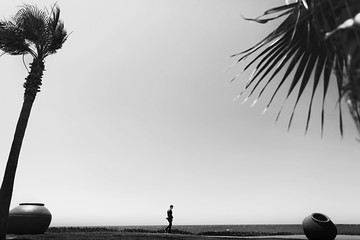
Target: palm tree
x,y
39,33
318,37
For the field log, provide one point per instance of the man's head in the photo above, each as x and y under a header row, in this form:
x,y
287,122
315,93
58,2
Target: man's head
x,y
171,206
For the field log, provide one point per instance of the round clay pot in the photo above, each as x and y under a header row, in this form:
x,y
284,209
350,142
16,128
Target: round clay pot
x,y
318,226
29,218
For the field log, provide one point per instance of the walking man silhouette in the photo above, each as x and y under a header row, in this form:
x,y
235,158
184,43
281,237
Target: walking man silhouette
x,y
170,219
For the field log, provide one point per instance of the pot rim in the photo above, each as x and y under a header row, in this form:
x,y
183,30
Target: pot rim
x,y
36,204
313,216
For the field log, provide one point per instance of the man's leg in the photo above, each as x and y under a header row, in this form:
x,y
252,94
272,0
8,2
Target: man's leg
x,y
170,225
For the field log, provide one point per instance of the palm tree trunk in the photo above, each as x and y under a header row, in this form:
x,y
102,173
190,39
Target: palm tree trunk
x,y
32,87
10,170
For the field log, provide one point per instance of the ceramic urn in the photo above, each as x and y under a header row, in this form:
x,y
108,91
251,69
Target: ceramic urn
x,y
318,226
29,218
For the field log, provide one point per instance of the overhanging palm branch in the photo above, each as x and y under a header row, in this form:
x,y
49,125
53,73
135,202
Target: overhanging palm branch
x,y
311,41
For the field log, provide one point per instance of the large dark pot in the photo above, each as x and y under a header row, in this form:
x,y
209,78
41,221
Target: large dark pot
x,y
318,226
29,218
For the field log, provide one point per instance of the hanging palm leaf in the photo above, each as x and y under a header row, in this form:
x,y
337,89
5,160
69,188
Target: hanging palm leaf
x,y
311,40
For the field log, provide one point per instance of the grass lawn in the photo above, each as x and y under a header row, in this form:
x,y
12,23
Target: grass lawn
x,y
109,233
120,235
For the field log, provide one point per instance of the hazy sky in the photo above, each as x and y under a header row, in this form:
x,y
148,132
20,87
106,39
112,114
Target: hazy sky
x,y
136,113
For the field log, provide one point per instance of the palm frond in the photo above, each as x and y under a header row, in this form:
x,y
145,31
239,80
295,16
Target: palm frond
x,y
57,32
12,41
327,74
32,21
341,29
31,30
300,45
57,39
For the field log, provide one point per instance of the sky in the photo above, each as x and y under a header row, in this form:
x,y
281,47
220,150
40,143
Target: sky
x,y
137,112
